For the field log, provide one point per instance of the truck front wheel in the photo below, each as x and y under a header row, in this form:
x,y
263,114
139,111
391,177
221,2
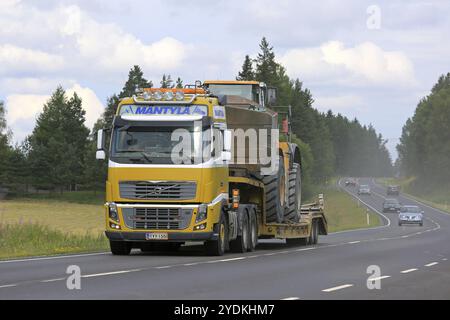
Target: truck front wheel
x,y
217,247
120,248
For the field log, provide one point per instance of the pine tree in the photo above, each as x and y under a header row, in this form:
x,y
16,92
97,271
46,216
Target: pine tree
x,y
266,66
167,81
247,72
58,142
135,81
179,84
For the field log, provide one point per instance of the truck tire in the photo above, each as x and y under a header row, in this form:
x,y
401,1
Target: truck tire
x,y
217,247
241,243
120,248
275,186
253,236
295,194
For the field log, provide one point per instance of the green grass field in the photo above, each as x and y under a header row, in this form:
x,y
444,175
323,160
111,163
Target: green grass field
x,y
344,213
74,222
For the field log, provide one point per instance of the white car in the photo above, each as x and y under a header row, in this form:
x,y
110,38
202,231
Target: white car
x,y
410,215
364,189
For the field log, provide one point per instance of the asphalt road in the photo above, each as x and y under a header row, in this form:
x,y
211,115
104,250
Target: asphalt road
x,y
412,260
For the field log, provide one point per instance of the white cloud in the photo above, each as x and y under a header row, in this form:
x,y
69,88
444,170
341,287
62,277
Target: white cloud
x,y
14,59
338,103
364,63
23,109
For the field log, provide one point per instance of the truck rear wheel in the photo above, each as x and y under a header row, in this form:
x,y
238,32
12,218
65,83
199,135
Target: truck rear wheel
x,y
120,248
217,247
275,188
253,236
314,237
241,243
295,194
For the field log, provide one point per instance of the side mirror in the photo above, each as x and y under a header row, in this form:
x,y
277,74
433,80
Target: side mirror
x,y
227,139
100,155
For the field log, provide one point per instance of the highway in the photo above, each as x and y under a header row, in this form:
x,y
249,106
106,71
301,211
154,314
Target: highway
x,y
412,260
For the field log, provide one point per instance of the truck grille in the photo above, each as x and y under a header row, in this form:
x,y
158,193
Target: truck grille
x,y
158,190
157,218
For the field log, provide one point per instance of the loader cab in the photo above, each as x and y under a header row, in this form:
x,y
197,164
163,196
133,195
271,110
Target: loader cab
x,y
246,93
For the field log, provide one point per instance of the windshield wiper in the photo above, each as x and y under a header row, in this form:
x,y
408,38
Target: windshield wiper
x,y
146,157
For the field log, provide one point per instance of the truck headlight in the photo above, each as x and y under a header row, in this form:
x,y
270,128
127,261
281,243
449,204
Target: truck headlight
x,y
202,213
113,213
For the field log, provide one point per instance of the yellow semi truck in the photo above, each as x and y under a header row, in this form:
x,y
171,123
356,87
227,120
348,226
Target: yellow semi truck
x,y
204,163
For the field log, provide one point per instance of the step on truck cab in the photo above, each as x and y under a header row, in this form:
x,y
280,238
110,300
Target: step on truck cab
x,y
204,163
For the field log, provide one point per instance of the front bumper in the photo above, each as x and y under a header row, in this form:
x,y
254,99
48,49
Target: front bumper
x,y
410,221
173,236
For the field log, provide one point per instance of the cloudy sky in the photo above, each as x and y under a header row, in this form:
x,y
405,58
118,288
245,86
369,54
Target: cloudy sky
x,y
371,60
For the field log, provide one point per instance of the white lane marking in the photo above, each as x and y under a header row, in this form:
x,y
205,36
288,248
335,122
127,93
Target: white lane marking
x,y
55,257
431,264
444,259
8,286
306,249
291,298
232,259
409,270
338,288
163,267
353,242
53,280
109,273
405,236
379,278
191,264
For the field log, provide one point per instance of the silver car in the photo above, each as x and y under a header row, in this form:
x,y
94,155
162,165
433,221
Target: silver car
x,y
410,215
364,189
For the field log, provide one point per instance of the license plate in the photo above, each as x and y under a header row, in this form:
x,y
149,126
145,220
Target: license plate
x,y
157,236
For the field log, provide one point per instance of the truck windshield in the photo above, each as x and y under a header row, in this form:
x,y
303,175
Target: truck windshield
x,y
243,90
154,144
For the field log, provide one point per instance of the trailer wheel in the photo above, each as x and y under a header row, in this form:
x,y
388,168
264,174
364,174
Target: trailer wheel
x,y
253,234
295,194
314,237
120,248
241,243
275,188
217,247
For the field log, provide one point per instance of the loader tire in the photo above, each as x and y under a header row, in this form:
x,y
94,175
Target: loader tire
x,y
295,194
275,186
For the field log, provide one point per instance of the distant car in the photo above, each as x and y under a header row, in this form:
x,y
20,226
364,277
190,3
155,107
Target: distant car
x,y
364,189
391,205
350,182
410,215
393,191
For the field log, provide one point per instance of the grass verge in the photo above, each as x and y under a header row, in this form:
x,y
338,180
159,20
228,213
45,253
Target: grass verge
x,y
343,212
32,239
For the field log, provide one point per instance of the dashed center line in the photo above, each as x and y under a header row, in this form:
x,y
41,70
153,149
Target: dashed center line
x,y
431,264
52,280
353,242
379,278
291,298
8,286
338,288
109,273
409,270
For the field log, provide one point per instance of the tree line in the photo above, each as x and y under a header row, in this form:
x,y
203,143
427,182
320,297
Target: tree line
x,y
424,148
331,144
60,152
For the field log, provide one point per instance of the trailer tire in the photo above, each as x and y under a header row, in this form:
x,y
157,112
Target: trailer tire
x,y
241,243
120,248
294,194
273,186
314,237
217,247
253,231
